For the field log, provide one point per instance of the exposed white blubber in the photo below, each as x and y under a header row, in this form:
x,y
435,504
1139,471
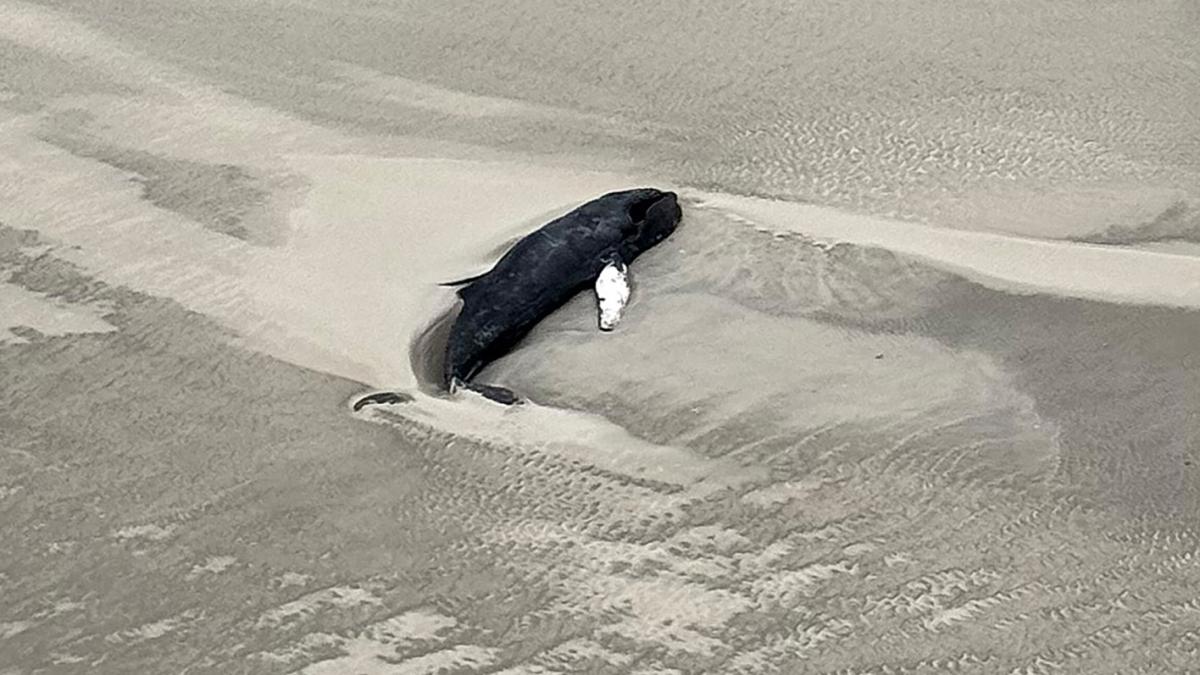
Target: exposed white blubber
x,y
612,293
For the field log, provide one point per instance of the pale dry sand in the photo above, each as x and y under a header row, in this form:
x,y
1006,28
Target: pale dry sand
x,y
912,389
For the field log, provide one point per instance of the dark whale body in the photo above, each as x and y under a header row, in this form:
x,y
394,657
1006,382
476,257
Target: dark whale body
x,y
539,274
543,271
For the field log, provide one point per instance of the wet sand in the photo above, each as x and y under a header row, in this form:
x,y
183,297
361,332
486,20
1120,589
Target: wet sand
x,y
912,389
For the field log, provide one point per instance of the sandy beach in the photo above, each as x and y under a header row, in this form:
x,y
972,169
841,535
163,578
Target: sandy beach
x,y
912,389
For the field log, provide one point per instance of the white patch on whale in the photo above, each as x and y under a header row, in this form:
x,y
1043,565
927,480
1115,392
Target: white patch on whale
x,y
612,293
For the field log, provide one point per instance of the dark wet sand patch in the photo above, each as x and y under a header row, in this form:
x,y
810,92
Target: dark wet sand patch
x,y
221,197
13,239
1120,381
35,77
1180,222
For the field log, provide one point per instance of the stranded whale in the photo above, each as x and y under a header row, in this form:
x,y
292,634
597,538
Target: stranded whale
x,y
543,271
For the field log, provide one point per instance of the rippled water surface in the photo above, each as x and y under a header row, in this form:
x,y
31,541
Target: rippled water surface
x,y
913,388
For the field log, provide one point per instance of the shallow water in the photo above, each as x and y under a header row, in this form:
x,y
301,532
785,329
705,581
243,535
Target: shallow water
x,y
912,388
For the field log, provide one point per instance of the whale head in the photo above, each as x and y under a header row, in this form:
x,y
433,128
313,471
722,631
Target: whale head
x,y
635,220
654,215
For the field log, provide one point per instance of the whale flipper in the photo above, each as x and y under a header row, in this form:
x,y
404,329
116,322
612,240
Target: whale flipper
x,y
382,398
489,391
612,293
493,393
